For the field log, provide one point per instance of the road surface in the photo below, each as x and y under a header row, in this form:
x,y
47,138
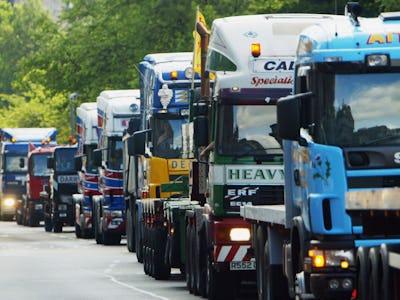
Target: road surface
x,y
35,264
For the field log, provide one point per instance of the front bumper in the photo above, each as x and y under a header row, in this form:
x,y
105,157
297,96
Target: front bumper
x,y
334,285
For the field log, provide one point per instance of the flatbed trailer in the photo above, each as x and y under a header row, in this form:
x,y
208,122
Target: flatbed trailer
x,y
274,214
337,236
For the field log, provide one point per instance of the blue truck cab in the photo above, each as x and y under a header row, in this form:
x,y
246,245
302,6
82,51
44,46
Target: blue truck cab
x,y
14,147
341,138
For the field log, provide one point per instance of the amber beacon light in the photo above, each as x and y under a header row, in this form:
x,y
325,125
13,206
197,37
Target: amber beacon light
x,y
256,49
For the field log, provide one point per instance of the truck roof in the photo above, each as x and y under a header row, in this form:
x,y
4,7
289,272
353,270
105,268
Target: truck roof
x,y
232,38
87,106
115,108
158,58
164,63
86,115
28,134
112,94
341,34
277,33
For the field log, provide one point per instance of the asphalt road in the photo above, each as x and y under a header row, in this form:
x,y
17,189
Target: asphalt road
x,y
35,264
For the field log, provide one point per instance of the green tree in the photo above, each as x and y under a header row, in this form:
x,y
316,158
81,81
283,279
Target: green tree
x,y
23,30
97,45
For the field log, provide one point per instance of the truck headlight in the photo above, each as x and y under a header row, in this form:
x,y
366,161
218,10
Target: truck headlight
x,y
9,202
62,207
331,258
114,213
240,234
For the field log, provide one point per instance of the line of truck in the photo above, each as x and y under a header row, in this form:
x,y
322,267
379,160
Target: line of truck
x,y
307,195
15,144
279,163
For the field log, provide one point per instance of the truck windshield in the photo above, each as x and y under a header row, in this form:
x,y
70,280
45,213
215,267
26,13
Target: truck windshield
x,y
38,165
114,153
16,163
247,130
65,160
88,159
361,110
167,137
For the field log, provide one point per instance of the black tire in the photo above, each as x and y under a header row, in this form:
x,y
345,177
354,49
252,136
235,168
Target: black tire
x,y
18,219
98,236
193,260
145,261
111,238
161,269
201,270
363,273
261,238
151,261
188,254
87,233
58,227
138,227
220,285
375,274
130,231
97,233
78,231
389,286
33,221
275,285
48,224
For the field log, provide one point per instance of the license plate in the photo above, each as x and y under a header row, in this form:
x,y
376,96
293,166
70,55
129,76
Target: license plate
x,y
242,265
63,215
38,206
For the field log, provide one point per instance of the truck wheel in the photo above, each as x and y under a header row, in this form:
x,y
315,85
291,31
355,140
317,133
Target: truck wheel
x,y
389,287
375,274
145,260
34,222
130,233
87,233
275,284
188,252
18,218
201,257
161,269
193,258
220,285
58,226
138,237
48,224
78,232
261,237
363,273
97,233
111,238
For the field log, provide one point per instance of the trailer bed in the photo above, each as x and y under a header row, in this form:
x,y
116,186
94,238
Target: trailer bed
x,y
275,214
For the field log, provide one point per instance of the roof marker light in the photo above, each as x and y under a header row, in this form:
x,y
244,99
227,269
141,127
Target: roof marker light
x,y
256,49
174,75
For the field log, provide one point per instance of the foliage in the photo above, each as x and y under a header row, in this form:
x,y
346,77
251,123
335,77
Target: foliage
x,y
97,45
